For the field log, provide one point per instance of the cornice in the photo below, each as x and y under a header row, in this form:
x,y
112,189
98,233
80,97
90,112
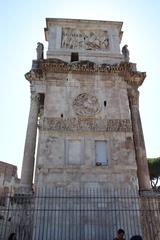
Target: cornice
x,y
127,70
66,21
56,65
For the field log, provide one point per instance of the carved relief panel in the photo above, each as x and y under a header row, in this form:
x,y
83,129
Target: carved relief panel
x,y
52,150
83,39
86,105
74,152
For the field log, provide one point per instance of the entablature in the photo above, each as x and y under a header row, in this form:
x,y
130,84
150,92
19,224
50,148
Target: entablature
x,y
40,68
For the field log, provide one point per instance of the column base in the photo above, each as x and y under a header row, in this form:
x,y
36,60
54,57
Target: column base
x,y
147,193
24,189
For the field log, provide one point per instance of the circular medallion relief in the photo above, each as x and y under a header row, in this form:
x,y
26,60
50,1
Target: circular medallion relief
x,y
86,105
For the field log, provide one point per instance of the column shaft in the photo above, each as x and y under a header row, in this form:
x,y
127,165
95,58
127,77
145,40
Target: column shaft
x,y
30,143
140,152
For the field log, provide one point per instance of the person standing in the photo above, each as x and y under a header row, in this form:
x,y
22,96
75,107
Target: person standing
x,y
120,235
12,236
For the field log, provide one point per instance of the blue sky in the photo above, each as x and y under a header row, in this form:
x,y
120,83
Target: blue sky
x,y
22,24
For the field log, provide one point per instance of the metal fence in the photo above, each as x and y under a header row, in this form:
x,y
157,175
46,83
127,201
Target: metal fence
x,y
88,214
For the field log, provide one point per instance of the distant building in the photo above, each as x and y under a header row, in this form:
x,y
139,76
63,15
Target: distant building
x,y
9,182
8,177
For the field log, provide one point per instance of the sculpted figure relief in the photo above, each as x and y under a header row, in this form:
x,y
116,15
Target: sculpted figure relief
x,y
49,146
80,39
125,53
39,49
86,104
87,124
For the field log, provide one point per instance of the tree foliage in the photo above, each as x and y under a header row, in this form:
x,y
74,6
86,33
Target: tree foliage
x,y
154,170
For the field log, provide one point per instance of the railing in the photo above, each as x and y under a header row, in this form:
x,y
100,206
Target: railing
x,y
88,214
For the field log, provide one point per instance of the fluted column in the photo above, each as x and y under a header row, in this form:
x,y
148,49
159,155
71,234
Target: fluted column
x,y
140,152
30,143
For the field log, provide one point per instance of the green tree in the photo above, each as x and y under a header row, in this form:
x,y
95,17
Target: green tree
x,y
154,170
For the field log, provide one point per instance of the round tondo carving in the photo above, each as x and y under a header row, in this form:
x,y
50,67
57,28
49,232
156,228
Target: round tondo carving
x,y
86,105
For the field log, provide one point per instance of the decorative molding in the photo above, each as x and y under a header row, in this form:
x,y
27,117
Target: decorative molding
x,y
52,65
86,124
86,105
126,70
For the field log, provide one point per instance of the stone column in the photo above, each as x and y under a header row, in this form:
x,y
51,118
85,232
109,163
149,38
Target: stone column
x,y
140,152
30,143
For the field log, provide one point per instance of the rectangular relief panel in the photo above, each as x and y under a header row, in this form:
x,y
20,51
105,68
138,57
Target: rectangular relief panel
x,y
101,152
74,152
73,38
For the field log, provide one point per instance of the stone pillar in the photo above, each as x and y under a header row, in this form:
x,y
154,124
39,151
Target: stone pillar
x,y
140,152
30,143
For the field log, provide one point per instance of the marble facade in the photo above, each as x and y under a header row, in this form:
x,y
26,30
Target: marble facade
x,y
84,96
